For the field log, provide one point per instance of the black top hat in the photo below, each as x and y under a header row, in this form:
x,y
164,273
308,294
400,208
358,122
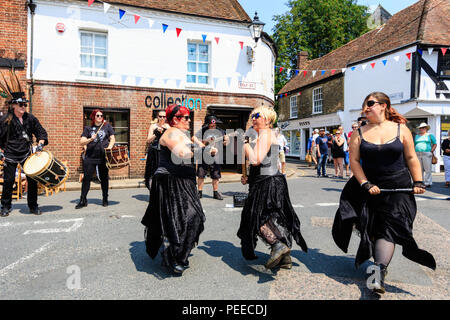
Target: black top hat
x,y
211,119
18,97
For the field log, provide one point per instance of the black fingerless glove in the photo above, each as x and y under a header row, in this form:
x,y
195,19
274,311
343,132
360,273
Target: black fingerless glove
x,y
39,148
418,184
367,186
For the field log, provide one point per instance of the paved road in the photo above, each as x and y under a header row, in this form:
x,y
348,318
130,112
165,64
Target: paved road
x,y
99,253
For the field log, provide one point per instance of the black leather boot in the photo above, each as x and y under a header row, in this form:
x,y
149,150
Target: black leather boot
x,y
5,212
217,195
105,202
378,286
200,194
82,203
279,249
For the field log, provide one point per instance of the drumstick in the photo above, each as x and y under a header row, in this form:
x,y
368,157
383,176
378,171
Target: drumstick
x,y
104,121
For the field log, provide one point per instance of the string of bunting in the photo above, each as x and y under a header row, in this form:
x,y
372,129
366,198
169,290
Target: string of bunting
x,y
165,26
364,66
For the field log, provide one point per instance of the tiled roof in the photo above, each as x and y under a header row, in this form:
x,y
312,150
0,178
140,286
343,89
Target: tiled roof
x,y
216,9
427,22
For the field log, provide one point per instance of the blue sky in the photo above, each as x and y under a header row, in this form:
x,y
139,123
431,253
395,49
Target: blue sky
x,y
268,8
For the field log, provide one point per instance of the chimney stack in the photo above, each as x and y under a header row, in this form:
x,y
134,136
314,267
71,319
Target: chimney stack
x,y
302,58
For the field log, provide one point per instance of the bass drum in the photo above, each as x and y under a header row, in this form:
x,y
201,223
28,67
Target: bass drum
x,y
117,157
46,169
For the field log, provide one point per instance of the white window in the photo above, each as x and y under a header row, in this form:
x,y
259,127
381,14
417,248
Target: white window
x,y
317,100
93,54
198,63
293,106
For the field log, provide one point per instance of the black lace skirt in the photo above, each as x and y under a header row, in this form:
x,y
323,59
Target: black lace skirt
x,y
268,200
175,215
151,164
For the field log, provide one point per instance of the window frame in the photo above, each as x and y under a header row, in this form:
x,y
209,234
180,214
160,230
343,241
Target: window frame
x,y
93,54
209,63
291,99
440,63
314,100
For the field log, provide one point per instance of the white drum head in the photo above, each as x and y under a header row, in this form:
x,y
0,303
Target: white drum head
x,y
35,163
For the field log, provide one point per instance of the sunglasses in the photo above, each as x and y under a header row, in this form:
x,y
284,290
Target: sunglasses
x,y
371,103
161,117
99,116
184,117
256,115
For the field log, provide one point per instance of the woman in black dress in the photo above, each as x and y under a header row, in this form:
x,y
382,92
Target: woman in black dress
x,y
386,148
268,212
174,216
155,132
337,151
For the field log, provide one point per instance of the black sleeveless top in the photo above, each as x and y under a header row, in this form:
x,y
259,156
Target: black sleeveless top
x,y
382,158
171,164
268,167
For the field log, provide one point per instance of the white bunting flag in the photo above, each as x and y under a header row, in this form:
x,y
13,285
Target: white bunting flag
x,y
150,22
396,58
106,7
314,73
430,51
343,70
364,66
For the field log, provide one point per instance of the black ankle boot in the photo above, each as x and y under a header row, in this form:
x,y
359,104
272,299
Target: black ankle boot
x,y
217,195
105,202
279,249
200,194
378,286
82,203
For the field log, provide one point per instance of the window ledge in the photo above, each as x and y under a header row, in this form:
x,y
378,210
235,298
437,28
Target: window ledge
x,y
198,86
93,80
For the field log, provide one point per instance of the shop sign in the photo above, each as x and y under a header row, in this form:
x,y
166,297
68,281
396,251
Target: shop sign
x,y
161,102
247,85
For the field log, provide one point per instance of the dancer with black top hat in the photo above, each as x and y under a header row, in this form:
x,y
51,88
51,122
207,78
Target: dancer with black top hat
x,y
97,137
174,216
17,128
268,212
156,130
379,198
213,138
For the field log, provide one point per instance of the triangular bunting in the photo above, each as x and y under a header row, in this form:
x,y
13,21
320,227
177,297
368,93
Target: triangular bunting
x,y
178,32
150,22
136,18
165,26
372,65
121,13
242,44
443,50
420,51
384,62
396,58
353,68
217,40
333,71
409,55
430,51
343,70
364,66
90,2
304,73
204,37
106,7
314,73
323,72
296,72
281,69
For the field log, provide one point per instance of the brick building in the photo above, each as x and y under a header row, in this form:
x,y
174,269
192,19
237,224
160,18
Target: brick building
x,y
131,58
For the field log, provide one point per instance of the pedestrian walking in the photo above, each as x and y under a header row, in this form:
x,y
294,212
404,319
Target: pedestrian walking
x,y
322,153
386,147
97,138
268,212
314,147
425,144
282,142
445,146
174,217
155,132
337,151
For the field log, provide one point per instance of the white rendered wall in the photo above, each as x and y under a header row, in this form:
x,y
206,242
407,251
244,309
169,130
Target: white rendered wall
x,y
140,55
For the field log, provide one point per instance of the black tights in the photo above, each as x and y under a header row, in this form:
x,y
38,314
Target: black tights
x,y
384,250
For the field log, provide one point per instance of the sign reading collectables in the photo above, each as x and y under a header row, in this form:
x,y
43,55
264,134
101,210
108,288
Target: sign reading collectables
x,y
60,27
247,85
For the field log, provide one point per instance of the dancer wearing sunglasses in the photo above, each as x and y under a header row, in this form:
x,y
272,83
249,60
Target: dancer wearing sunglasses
x,y
389,161
97,137
17,128
268,212
174,216
155,132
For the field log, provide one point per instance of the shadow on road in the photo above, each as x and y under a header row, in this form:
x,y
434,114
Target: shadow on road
x,y
341,269
232,256
23,208
96,201
142,197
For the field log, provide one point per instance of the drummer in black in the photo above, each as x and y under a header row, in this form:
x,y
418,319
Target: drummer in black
x,y
97,137
17,128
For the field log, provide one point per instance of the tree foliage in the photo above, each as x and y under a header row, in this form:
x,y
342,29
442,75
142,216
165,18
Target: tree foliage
x,y
315,26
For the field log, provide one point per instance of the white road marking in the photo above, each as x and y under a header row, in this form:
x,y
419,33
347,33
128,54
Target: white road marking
x,y
421,199
297,206
325,204
126,216
23,259
77,223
